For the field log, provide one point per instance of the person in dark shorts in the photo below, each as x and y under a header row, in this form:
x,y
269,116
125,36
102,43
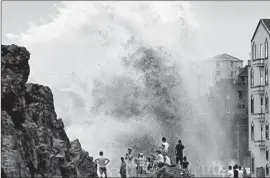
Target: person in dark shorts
x,y
123,168
185,164
179,153
102,162
235,171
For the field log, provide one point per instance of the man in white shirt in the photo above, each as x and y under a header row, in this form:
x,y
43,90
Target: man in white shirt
x,y
159,160
240,171
166,145
230,172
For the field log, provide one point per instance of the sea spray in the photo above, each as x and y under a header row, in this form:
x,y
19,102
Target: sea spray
x,y
113,104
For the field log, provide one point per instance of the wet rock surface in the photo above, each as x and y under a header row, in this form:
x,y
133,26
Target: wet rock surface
x,y
34,142
169,172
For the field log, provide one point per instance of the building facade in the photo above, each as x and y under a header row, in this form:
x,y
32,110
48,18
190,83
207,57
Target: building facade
x,y
223,66
241,118
258,79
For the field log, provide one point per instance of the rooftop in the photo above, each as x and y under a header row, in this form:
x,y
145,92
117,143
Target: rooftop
x,y
225,57
265,23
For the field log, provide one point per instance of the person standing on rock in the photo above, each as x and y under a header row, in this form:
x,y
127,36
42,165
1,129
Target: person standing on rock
x,y
230,172
179,153
166,145
102,163
123,170
142,163
130,163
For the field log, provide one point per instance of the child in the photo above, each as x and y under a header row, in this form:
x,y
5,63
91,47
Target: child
x,y
123,169
185,164
142,163
166,145
137,162
148,166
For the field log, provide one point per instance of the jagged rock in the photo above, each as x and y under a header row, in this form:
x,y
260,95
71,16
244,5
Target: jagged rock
x,y
82,160
34,142
169,172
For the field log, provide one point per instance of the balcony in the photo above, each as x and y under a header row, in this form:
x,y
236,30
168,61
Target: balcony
x,y
258,89
258,62
261,144
259,116
240,82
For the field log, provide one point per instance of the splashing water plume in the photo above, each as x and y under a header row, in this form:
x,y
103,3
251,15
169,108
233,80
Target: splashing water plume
x,y
129,86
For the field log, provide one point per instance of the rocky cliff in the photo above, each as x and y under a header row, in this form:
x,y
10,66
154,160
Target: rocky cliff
x,y
34,142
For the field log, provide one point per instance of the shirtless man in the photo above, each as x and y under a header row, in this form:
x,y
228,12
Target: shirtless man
x,y
102,162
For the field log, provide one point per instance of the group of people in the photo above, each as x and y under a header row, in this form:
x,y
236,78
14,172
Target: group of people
x,y
131,165
236,172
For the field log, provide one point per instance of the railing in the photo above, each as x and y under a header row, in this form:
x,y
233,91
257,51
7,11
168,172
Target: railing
x,y
258,62
261,143
240,82
260,116
258,89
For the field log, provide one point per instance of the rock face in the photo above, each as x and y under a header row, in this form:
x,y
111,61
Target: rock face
x,y
34,142
169,172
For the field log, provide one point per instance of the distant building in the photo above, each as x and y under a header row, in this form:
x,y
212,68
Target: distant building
x,y
223,101
223,66
258,79
207,73
242,118
229,99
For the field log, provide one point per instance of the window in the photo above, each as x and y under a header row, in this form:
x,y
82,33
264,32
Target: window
x,y
241,106
218,73
267,131
266,103
252,77
261,104
240,95
266,75
261,132
218,64
254,51
261,51
252,104
231,64
252,131
252,165
267,169
261,77
231,73
266,49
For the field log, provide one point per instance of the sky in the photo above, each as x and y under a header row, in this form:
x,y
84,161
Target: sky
x,y
227,26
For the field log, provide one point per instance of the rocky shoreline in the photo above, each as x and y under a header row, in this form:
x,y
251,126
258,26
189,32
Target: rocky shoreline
x,y
34,142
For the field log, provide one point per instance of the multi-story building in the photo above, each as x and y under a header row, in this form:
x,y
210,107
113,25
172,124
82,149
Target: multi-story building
x,y
241,118
259,143
223,66
229,101
207,73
